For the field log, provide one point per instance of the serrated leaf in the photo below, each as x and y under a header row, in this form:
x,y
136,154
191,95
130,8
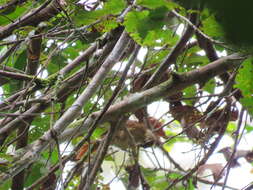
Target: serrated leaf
x,y
145,26
211,27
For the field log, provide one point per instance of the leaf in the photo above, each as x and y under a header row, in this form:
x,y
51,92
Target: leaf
x,y
145,26
188,93
34,174
157,180
244,82
152,4
109,24
6,185
211,27
210,86
248,128
18,63
191,61
111,7
7,16
38,127
114,6
190,184
231,127
5,157
157,56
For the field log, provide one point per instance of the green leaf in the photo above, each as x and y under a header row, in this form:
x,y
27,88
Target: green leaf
x,y
247,102
191,61
6,157
146,26
14,12
188,93
211,27
109,24
174,175
114,6
6,185
152,4
38,127
51,155
111,7
244,82
18,63
190,185
157,57
210,86
249,128
34,174
231,127
157,180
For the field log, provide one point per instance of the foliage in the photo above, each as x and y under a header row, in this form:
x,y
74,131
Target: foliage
x,y
79,82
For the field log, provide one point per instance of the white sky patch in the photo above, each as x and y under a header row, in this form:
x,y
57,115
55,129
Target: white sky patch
x,y
184,154
192,40
49,43
158,109
95,100
108,175
128,81
3,50
158,47
62,45
180,29
1,94
37,94
147,159
222,53
201,52
113,87
141,55
119,66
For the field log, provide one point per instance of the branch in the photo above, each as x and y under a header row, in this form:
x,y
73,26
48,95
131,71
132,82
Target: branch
x,y
171,58
101,153
43,13
9,52
18,76
67,87
173,85
11,4
133,102
210,51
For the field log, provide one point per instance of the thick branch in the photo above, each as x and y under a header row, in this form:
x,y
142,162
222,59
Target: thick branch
x,y
18,76
34,17
175,84
11,5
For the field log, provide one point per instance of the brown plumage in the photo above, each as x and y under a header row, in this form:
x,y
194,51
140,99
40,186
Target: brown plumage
x,y
134,134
